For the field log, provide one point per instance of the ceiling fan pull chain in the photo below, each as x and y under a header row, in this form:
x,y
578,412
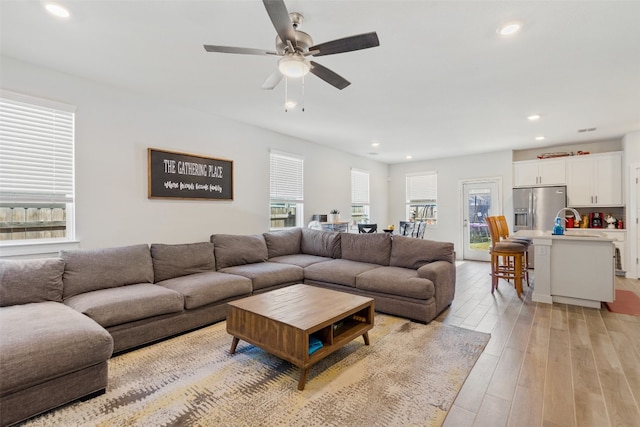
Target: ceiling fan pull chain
x,y
286,94
303,94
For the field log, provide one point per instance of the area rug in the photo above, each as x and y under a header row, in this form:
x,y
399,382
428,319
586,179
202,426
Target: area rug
x,y
626,302
409,375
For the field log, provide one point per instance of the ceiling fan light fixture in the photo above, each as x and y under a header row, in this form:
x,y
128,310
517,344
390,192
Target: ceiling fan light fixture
x,y
294,66
57,10
510,28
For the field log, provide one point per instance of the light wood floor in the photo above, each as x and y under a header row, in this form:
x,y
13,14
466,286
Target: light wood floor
x,y
545,364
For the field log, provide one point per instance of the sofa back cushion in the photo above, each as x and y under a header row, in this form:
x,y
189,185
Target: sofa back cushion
x,y
231,250
413,253
88,270
374,248
283,242
320,243
171,261
30,280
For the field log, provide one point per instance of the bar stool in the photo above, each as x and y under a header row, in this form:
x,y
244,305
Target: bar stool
x,y
503,230
507,259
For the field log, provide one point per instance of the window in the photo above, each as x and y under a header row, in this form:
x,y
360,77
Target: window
x,y
36,170
286,190
422,197
360,196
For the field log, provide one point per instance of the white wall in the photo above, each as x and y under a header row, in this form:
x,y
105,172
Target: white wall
x,y
450,172
114,128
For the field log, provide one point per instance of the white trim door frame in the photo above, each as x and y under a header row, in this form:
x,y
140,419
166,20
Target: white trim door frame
x,y
473,234
632,240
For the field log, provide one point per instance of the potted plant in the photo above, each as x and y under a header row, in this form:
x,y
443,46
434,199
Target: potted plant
x,y
334,216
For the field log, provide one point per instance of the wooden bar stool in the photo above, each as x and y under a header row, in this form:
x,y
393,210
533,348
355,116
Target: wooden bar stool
x,y
507,259
503,230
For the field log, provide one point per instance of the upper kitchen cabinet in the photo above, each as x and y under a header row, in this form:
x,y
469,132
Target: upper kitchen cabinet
x,y
541,172
595,180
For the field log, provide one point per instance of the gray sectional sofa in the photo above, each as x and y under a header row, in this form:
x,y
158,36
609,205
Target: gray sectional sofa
x,y
61,319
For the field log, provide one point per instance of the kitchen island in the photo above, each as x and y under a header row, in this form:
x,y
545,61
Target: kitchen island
x,y
576,268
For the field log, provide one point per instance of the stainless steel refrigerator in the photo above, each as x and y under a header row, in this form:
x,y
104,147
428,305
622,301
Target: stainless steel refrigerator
x,y
535,208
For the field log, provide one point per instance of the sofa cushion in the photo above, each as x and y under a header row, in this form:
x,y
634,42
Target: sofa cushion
x,y
46,340
231,250
207,288
114,306
339,271
267,274
30,280
283,242
396,281
88,270
301,260
171,261
414,253
373,248
320,243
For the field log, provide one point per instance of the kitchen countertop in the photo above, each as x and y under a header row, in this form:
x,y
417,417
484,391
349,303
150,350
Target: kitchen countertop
x,y
587,235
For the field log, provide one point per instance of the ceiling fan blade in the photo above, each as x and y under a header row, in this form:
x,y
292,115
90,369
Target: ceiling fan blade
x,y
347,44
240,50
279,15
329,76
272,81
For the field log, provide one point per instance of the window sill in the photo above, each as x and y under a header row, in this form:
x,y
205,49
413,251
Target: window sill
x,y
15,249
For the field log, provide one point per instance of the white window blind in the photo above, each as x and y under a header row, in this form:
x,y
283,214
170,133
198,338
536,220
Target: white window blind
x,y
422,187
286,177
36,152
359,187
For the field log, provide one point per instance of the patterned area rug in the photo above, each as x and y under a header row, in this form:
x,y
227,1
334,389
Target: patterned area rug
x,y
409,375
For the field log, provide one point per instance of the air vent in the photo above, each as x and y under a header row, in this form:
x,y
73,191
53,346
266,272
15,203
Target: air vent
x,y
586,130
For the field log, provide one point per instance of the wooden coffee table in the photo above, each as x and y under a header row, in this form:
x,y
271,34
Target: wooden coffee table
x,y
281,321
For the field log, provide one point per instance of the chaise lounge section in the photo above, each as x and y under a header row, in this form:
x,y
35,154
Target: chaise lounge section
x,y
50,354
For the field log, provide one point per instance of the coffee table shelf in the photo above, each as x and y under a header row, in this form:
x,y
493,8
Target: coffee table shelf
x,y
281,322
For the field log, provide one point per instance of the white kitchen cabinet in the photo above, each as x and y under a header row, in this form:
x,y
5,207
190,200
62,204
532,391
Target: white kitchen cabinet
x,y
539,172
595,180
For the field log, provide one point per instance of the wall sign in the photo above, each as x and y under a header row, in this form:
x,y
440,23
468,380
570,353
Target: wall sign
x,y
185,176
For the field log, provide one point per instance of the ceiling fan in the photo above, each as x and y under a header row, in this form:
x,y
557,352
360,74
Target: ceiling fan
x,y
293,46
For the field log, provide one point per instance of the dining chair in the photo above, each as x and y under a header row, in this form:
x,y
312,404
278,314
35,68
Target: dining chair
x,y
406,228
367,228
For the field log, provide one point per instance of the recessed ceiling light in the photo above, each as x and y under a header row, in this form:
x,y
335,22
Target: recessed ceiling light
x,y
375,144
409,157
290,104
533,117
510,28
57,10
540,138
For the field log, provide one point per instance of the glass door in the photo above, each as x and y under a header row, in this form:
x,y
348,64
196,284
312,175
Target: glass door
x,y
479,200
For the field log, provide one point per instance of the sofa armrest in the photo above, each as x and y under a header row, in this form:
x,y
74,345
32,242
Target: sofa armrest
x,y
443,276
434,271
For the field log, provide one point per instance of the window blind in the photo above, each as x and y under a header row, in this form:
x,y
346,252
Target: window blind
x,y
422,187
359,187
286,177
36,152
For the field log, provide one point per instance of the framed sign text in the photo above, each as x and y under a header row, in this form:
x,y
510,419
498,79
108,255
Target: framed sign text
x,y
186,176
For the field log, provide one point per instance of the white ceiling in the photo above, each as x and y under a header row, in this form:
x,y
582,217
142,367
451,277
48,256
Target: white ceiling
x,y
442,83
